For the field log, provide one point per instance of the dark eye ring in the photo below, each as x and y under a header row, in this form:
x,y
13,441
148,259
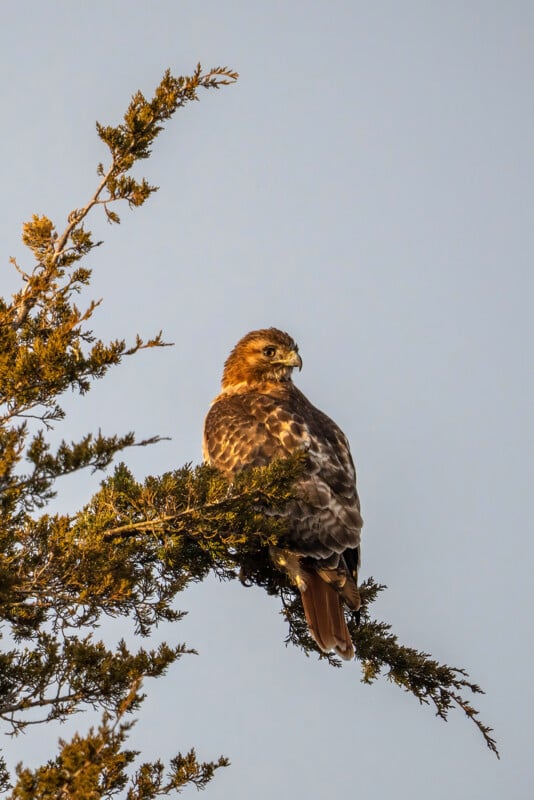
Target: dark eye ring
x,y
269,351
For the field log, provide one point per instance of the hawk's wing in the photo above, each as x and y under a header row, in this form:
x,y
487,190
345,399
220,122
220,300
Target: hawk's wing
x,y
252,429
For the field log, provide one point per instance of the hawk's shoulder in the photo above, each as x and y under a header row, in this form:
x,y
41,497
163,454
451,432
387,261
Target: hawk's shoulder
x,y
251,428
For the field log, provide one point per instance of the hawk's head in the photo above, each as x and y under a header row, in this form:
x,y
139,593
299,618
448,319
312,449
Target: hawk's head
x,y
261,357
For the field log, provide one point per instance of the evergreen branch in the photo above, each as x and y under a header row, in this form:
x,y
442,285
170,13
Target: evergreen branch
x,y
415,671
380,653
161,522
78,215
203,526
58,575
128,143
80,672
97,765
234,529
7,711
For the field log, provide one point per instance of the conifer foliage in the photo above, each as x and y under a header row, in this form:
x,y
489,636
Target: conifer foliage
x,y
135,545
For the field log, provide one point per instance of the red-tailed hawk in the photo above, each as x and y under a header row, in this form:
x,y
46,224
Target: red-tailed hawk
x,y
260,416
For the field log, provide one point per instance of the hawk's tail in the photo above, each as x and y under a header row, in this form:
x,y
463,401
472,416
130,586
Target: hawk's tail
x,y
324,614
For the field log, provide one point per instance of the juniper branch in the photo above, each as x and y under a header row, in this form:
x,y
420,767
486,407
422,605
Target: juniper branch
x,y
232,527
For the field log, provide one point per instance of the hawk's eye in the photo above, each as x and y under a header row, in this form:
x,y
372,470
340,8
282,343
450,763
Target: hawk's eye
x,y
269,351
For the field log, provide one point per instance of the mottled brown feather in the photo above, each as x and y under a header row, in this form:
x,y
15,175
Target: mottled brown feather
x,y
260,416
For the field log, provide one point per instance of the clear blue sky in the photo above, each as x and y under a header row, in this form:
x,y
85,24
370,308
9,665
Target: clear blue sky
x,y
367,186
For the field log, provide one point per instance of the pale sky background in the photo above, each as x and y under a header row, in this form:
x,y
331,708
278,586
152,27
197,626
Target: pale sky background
x,y
368,186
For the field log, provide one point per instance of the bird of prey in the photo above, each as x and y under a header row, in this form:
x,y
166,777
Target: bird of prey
x,y
259,416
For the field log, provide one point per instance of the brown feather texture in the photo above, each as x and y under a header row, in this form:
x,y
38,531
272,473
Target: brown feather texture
x,y
260,416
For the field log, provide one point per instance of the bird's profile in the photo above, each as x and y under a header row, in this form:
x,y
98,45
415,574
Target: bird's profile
x,y
259,416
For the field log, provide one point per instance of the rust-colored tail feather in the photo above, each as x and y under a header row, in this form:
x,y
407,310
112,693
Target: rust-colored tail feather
x,y
324,615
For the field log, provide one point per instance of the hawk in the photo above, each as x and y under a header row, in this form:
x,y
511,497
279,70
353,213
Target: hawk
x,y
259,416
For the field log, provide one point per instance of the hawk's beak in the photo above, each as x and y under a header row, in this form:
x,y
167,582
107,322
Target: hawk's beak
x,y
293,360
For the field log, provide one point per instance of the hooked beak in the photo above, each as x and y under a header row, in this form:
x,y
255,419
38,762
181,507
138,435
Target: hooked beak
x,y
293,360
